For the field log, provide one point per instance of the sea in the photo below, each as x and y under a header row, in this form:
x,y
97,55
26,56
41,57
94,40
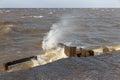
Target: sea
x,y
26,32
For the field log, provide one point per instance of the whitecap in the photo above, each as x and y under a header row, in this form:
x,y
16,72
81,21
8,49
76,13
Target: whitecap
x,y
36,16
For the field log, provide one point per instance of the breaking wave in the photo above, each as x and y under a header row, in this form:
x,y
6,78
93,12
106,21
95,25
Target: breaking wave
x,y
71,32
64,31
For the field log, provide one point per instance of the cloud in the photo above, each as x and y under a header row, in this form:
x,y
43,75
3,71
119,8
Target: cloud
x,y
58,3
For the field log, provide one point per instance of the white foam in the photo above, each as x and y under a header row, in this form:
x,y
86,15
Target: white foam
x,y
35,62
50,13
32,16
37,16
10,25
51,55
7,11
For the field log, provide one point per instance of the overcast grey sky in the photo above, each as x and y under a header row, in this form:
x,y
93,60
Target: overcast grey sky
x,y
59,3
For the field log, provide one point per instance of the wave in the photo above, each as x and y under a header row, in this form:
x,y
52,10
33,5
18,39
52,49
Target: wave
x,y
51,55
71,32
5,30
4,22
26,16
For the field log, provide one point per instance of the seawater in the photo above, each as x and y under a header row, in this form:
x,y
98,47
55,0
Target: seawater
x,y
23,30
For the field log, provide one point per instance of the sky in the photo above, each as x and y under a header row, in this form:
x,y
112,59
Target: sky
x,y
59,3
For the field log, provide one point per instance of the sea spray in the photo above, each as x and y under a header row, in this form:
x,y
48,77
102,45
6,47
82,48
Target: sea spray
x,y
64,31
51,55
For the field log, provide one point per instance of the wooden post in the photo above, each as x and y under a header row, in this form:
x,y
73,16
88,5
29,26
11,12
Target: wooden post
x,y
70,51
6,65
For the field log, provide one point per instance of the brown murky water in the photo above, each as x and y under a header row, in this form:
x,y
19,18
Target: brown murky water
x,y
22,30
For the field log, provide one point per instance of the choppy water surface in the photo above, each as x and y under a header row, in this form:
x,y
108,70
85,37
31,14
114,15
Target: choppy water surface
x,y
22,30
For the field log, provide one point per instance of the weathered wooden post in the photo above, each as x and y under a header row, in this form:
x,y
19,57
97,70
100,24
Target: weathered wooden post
x,y
7,64
70,51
